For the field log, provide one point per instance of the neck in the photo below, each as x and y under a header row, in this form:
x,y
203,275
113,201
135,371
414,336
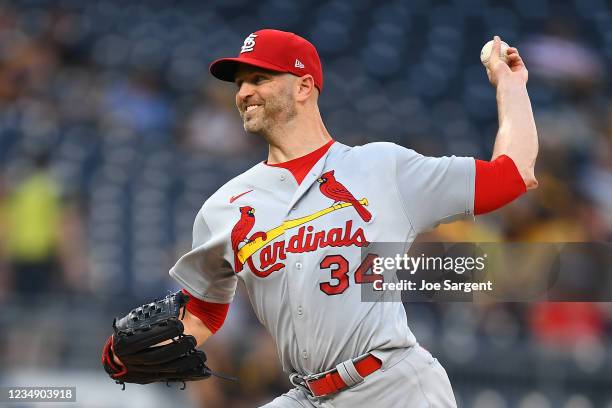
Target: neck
x,y
296,138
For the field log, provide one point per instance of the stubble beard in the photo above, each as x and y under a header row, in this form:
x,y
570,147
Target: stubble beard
x,y
274,113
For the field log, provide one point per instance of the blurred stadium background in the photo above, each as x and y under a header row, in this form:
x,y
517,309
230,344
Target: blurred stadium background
x,y
112,135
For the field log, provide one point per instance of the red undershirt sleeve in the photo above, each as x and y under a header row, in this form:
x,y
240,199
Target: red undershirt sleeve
x,y
211,314
498,183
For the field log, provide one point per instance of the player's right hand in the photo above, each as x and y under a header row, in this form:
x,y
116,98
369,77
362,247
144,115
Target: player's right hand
x,y
117,361
149,345
498,70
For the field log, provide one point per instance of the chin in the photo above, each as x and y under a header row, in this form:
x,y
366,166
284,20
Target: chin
x,y
249,127
252,126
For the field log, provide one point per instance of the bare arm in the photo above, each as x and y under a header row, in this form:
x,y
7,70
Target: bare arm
x,y
517,136
195,327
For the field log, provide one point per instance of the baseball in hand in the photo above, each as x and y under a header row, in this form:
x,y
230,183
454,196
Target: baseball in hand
x,y
485,53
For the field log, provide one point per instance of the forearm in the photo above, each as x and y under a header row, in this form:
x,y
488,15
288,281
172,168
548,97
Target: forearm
x,y
517,136
194,326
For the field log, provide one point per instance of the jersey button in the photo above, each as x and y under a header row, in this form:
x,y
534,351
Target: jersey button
x,y
300,310
298,265
304,354
282,177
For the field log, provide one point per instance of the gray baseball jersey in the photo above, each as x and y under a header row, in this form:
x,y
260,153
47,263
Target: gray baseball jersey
x,y
298,248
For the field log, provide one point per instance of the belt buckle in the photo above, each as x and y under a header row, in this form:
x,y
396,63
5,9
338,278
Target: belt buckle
x,y
307,383
314,377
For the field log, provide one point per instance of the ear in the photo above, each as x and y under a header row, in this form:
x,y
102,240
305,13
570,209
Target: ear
x,y
305,87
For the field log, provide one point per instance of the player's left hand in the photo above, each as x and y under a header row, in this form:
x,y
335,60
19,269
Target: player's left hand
x,y
498,70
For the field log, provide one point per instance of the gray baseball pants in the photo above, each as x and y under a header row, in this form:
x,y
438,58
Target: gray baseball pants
x,y
409,378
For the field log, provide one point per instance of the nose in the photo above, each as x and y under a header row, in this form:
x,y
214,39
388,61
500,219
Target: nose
x,y
244,91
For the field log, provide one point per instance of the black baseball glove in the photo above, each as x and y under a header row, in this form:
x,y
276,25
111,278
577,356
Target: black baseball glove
x,y
135,343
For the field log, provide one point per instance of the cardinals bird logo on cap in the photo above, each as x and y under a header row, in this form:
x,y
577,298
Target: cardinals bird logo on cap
x,y
249,43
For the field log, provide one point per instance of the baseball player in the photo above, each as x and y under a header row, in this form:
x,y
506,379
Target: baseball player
x,y
293,228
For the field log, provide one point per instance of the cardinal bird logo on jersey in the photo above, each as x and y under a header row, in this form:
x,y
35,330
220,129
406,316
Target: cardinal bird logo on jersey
x,y
332,188
241,230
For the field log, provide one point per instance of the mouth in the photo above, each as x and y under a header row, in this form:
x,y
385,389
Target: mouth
x,y
251,108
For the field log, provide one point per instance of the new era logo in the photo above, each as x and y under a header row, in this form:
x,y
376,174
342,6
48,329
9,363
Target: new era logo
x,y
298,64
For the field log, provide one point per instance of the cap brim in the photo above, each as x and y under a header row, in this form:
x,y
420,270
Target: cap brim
x,y
225,68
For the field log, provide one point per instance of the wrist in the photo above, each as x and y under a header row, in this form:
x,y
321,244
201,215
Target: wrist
x,y
509,81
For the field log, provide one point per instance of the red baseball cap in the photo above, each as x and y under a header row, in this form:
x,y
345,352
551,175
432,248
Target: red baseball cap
x,y
275,50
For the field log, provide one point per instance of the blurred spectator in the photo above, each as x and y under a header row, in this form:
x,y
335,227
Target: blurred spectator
x,y
567,323
214,125
4,267
139,105
26,65
35,246
596,182
559,55
32,213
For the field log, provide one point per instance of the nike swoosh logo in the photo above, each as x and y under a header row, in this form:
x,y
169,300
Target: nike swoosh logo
x,y
234,198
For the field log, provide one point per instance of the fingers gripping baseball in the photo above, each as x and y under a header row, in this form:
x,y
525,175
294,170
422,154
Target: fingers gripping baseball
x,y
498,68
